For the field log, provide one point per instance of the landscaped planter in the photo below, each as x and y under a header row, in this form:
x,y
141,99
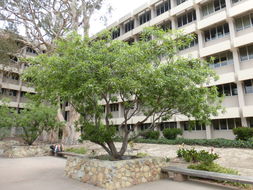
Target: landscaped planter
x,y
115,174
27,151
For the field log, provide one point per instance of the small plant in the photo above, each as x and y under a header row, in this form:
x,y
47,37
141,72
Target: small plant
x,y
192,155
213,167
151,135
171,133
142,154
243,133
80,150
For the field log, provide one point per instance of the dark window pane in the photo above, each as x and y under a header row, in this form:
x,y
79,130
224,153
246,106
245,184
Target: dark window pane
x,y
226,88
223,124
243,53
250,51
234,89
238,122
238,24
215,124
207,35
216,5
248,86
226,28
220,31
231,124
213,33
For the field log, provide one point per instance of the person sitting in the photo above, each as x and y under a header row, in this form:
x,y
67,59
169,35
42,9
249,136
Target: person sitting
x,y
57,148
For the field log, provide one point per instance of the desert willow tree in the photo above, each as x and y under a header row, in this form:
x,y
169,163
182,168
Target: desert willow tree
x,y
145,77
47,20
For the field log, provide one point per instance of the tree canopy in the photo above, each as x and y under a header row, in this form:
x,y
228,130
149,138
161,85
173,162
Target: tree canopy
x,y
146,77
47,20
33,120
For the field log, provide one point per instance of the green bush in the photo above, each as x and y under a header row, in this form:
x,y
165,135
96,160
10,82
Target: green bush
x,y
213,167
171,133
80,150
192,155
219,143
151,135
243,133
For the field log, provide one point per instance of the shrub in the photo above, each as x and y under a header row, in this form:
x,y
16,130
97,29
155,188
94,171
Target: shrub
x,y
220,143
172,133
142,154
213,167
80,150
243,133
151,135
192,155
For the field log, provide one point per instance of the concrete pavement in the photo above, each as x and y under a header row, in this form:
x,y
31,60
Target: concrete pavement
x,y
47,173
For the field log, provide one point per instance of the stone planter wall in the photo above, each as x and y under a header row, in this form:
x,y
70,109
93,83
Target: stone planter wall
x,y
114,174
5,145
27,151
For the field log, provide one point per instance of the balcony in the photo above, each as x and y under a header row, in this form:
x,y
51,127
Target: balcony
x,y
243,37
247,111
230,101
248,100
240,7
11,81
212,19
245,74
215,46
182,7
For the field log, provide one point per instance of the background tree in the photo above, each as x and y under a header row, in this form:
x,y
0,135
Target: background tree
x,y
146,77
47,20
34,120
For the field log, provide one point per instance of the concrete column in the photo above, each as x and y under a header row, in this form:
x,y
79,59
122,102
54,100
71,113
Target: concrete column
x,y
173,23
198,12
136,21
122,29
121,110
153,11
178,125
200,41
228,5
230,22
208,132
173,4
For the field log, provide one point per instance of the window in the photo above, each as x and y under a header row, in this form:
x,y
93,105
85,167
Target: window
x,y
213,6
114,107
250,121
244,22
246,53
226,124
116,33
217,32
30,50
162,8
186,18
235,1
130,41
193,43
222,59
168,125
145,126
129,26
248,86
166,25
180,1
229,89
145,17
194,127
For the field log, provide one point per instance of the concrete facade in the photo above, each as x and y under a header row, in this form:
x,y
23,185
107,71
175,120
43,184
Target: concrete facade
x,y
224,30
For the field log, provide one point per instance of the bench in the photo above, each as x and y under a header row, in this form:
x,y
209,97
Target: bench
x,y
182,174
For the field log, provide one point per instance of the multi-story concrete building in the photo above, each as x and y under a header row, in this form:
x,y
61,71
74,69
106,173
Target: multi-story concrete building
x,y
224,30
12,88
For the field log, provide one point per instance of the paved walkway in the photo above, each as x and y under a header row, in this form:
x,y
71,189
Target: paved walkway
x,y
47,173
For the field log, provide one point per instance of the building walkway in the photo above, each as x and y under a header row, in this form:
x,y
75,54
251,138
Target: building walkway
x,y
47,173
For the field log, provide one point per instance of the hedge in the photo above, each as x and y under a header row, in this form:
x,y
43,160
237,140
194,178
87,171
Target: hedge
x,y
201,142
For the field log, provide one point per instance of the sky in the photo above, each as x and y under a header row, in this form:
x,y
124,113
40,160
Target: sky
x,y
120,9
